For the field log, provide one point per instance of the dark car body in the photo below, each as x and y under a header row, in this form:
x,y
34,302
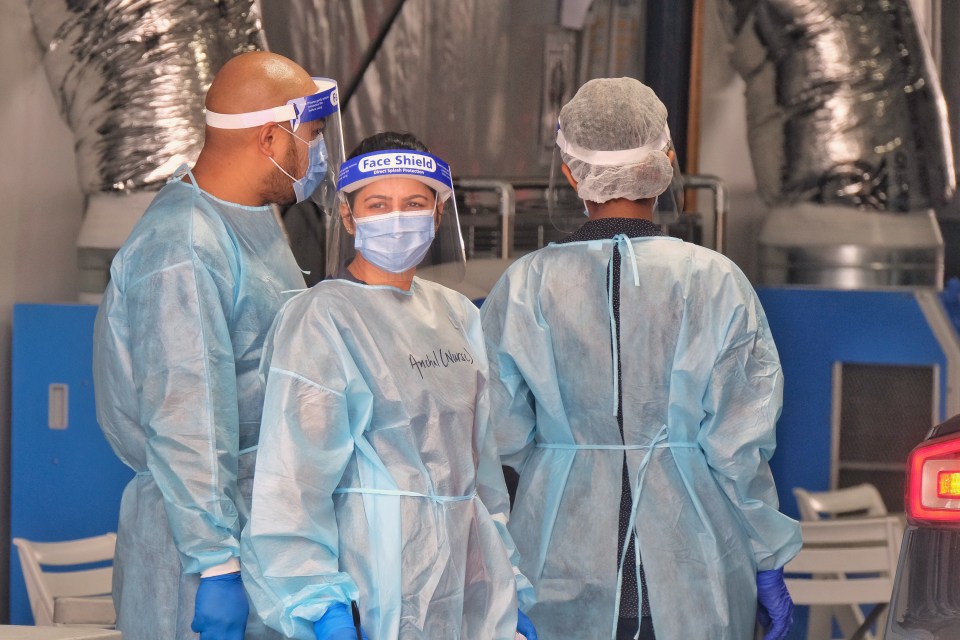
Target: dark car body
x,y
926,596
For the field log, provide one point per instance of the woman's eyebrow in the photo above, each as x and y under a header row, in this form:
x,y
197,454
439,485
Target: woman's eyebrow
x,y
375,196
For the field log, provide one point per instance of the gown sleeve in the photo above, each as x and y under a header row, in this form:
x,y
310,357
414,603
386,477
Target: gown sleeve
x,y
742,403
291,544
182,361
514,419
492,489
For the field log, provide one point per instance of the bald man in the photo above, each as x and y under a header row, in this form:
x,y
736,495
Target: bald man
x,y
177,344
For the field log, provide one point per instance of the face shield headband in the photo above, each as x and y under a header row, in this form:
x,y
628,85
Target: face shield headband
x,y
369,167
297,111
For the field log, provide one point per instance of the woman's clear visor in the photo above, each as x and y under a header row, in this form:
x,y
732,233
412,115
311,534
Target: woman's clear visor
x,y
382,181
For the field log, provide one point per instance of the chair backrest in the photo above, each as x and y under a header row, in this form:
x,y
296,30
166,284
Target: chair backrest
x,y
44,586
863,500
836,552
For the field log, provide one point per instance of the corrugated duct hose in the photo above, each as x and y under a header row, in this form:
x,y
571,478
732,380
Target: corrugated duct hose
x,y
844,105
130,78
848,138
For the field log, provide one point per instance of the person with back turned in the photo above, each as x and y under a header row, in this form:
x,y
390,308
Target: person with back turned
x,y
635,387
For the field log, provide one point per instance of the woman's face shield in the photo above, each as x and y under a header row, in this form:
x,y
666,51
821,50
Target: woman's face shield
x,y
323,106
409,183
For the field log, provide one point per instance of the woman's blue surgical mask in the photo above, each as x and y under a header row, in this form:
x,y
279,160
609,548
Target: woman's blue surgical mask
x,y
316,167
395,241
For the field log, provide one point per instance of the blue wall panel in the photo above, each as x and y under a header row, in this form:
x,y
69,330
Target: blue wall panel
x,y
64,484
814,329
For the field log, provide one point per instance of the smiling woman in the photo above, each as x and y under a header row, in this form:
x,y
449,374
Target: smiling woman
x,y
392,194
393,221
397,212
376,470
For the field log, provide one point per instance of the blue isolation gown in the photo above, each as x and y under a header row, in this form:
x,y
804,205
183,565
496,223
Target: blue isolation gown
x,y
701,393
177,345
377,478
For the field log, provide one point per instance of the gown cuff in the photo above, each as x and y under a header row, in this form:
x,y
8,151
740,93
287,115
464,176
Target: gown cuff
x,y
230,566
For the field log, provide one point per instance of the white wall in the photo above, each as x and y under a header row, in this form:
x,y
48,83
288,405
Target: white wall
x,y
723,142
41,204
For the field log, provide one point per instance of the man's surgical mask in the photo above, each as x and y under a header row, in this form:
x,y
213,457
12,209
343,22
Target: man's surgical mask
x,y
395,241
316,167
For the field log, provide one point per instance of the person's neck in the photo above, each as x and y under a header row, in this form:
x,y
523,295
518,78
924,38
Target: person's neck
x,y
218,175
369,273
621,208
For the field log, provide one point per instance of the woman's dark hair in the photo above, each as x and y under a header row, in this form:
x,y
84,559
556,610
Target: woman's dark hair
x,y
387,141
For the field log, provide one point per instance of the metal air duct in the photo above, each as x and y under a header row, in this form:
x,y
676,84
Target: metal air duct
x,y
130,77
849,140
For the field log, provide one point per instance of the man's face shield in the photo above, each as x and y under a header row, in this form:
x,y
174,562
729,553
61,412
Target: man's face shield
x,y
323,106
381,183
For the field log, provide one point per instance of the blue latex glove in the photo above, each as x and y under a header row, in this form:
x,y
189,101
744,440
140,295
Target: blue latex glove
x,y
337,624
221,608
525,626
774,605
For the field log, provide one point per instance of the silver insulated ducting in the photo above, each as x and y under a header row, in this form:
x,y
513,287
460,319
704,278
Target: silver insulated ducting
x,y
849,140
130,77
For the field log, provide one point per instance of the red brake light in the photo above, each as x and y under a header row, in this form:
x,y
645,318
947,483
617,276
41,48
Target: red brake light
x,y
933,481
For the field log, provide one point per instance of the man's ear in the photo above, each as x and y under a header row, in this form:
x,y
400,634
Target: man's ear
x,y
568,175
346,218
267,139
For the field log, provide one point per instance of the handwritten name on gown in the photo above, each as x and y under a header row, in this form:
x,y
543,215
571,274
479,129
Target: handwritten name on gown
x,y
439,358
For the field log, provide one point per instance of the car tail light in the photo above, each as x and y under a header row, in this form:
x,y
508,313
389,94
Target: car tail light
x,y
933,481
948,484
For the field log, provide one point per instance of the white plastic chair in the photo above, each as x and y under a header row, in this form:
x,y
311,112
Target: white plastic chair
x,y
862,500
847,562
80,597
